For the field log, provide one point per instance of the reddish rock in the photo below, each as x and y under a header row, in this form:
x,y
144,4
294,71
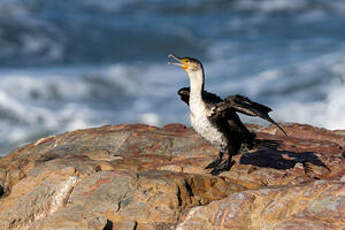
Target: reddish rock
x,y
317,205
144,177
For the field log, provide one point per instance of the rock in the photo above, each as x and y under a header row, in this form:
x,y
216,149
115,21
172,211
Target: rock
x,y
318,205
143,177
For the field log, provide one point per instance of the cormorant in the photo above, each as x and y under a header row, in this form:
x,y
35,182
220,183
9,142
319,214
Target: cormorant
x,y
216,119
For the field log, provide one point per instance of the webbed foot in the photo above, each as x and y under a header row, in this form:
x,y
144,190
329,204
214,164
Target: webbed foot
x,y
225,166
216,162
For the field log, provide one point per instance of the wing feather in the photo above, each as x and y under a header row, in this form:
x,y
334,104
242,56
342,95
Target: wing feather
x,y
237,103
246,106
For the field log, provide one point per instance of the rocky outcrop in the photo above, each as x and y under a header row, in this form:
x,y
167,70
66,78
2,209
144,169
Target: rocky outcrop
x,y
316,205
143,177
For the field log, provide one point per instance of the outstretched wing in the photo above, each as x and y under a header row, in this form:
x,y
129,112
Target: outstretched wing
x,y
208,97
236,103
246,106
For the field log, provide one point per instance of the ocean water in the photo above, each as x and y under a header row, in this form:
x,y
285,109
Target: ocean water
x,y
74,64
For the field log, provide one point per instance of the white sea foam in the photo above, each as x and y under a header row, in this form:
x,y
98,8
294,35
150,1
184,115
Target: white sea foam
x,y
57,100
41,102
36,102
310,91
327,113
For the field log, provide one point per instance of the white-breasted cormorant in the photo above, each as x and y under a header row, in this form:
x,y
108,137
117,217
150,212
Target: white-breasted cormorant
x,y
215,119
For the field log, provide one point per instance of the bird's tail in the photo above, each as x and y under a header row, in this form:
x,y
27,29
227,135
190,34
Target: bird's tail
x,y
251,142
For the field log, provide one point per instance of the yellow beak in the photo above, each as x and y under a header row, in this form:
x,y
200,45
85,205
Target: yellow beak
x,y
182,63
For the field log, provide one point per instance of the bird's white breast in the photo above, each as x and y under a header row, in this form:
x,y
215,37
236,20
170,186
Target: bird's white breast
x,y
204,127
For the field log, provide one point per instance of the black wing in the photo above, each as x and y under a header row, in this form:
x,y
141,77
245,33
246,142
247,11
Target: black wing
x,y
208,97
184,94
246,106
238,103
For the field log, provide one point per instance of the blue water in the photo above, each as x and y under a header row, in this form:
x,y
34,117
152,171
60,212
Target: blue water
x,y
66,65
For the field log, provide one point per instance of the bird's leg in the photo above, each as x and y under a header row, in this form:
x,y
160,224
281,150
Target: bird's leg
x,y
216,162
225,166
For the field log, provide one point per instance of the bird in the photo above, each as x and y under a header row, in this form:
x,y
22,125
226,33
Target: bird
x,y
216,119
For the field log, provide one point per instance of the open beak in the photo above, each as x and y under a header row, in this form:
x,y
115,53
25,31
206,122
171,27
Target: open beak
x,y
179,62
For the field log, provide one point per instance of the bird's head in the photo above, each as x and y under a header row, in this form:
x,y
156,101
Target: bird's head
x,y
187,63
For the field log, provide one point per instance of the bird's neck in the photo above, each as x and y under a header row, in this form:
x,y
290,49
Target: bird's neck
x,y
196,85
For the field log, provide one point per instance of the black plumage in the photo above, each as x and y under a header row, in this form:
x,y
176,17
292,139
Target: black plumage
x,y
238,103
224,117
216,119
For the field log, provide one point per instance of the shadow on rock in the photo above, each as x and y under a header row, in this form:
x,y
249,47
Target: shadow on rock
x,y
270,157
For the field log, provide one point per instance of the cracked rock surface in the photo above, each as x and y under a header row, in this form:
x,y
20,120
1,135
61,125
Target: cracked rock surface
x,y
143,177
